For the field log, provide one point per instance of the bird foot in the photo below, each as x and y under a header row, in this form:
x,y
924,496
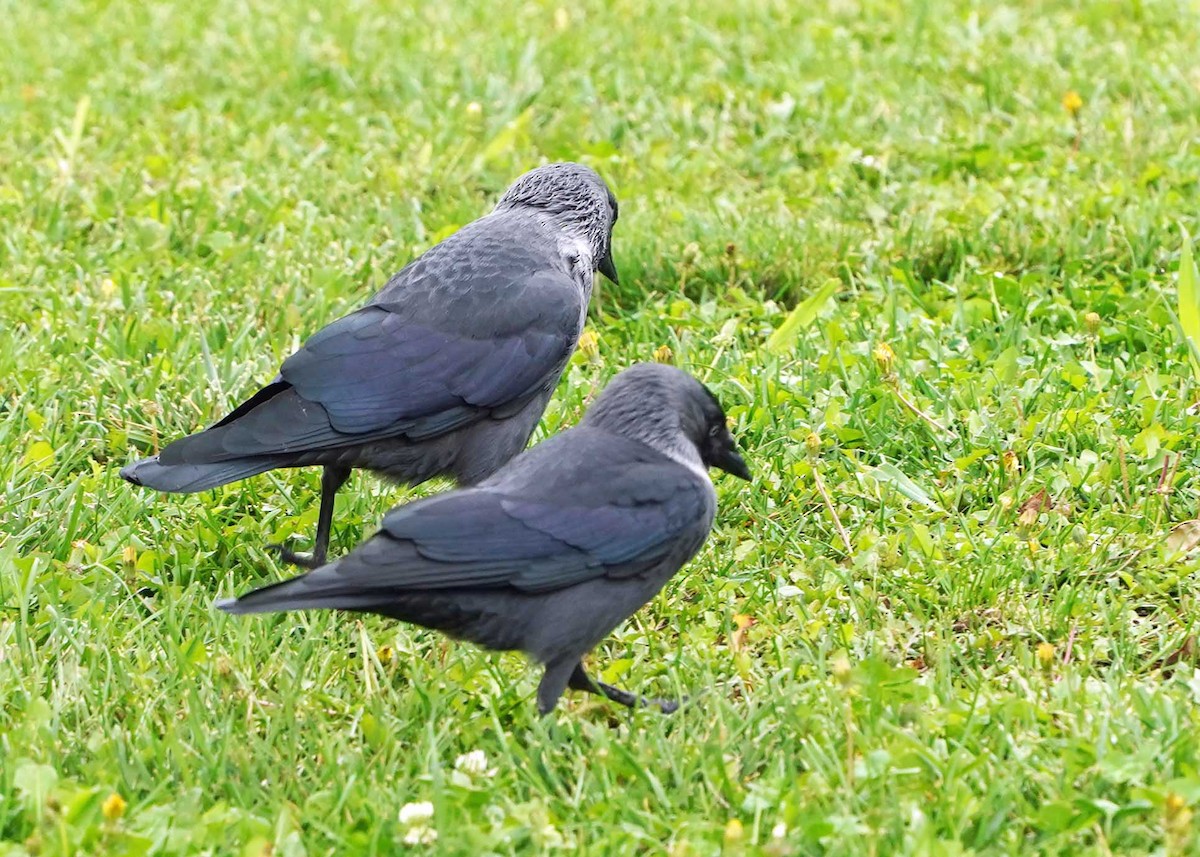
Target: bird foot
x,y
666,706
580,680
298,559
632,700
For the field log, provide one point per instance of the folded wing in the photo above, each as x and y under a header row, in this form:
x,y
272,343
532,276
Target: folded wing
x,y
480,539
386,372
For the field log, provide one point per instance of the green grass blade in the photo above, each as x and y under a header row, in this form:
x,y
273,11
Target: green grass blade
x,y
784,338
893,475
1189,303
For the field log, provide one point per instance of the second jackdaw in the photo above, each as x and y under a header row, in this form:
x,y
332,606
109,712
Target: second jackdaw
x,y
556,549
445,372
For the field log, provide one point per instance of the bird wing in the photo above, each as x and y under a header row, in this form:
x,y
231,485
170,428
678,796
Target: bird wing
x,y
375,368
395,370
482,538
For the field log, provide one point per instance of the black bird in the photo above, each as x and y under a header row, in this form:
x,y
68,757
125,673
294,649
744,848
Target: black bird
x,y
556,549
445,372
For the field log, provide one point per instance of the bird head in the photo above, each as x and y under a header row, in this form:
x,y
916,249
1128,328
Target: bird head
x,y
704,422
578,199
668,409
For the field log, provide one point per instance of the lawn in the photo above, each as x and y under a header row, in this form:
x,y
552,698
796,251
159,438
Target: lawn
x,y
955,611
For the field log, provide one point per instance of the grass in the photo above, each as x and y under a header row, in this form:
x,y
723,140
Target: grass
x,y
1004,661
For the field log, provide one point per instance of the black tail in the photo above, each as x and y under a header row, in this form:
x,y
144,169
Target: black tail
x,y
325,588
202,460
190,478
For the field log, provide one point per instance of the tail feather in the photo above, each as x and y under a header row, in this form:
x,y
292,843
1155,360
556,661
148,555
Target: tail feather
x,y
190,478
324,588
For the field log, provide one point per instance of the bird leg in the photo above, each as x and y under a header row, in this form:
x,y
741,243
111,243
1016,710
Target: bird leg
x,y
580,680
333,477
552,685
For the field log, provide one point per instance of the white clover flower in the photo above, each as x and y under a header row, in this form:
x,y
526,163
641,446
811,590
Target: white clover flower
x,y
420,835
783,108
474,764
779,831
551,837
416,814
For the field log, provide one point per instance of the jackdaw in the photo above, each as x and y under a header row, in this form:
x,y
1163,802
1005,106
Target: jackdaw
x,y
445,372
557,548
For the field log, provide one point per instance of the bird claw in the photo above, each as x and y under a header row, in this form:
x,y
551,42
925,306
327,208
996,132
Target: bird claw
x,y
629,700
666,706
670,706
289,556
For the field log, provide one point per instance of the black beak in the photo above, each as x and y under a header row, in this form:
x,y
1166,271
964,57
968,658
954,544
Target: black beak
x,y
607,268
728,460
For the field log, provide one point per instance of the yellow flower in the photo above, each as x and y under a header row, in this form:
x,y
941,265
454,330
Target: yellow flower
x,y
589,345
663,354
129,555
113,807
1045,654
1072,102
840,667
1092,320
813,443
734,831
385,654
1012,464
885,357
1178,823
